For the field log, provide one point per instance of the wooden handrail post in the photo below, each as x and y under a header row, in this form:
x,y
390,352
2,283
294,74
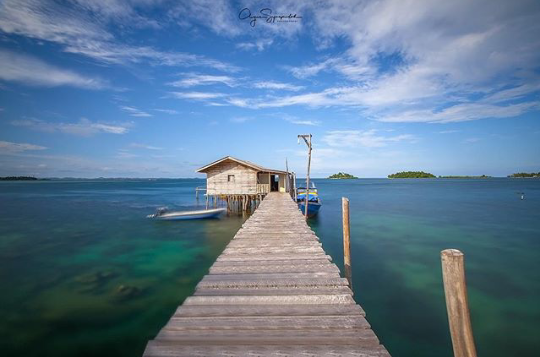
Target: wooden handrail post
x,y
457,304
346,239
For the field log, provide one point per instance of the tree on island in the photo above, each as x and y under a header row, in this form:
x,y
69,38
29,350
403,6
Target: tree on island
x,y
465,177
18,178
342,175
524,175
411,174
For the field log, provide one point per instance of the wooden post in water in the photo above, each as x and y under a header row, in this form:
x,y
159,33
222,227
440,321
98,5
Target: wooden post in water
x,y
346,240
457,304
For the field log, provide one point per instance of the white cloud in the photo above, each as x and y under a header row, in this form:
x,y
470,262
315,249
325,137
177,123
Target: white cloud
x,y
462,112
134,112
9,147
259,45
197,95
31,71
277,86
305,122
420,55
365,138
167,111
83,127
217,15
144,146
194,79
311,69
295,120
472,140
81,28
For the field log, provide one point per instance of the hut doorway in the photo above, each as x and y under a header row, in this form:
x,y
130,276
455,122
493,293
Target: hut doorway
x,y
274,183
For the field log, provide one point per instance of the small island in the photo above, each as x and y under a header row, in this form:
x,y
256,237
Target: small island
x,y
525,175
411,174
18,178
342,176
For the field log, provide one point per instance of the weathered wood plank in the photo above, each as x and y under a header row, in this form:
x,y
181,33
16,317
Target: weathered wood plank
x,y
268,323
170,350
358,337
269,310
322,269
270,300
261,291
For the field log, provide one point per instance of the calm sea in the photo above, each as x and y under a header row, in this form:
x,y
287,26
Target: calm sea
x,y
84,273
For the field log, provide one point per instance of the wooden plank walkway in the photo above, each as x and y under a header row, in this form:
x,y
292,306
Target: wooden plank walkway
x,y
272,292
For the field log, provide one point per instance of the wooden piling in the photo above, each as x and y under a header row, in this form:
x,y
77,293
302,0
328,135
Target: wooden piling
x,y
457,305
346,239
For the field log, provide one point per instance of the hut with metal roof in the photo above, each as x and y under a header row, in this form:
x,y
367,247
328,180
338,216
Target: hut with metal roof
x,y
240,182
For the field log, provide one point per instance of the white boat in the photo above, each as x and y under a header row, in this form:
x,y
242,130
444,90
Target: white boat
x,y
165,215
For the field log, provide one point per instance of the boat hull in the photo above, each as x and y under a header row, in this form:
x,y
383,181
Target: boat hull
x,y
203,214
313,208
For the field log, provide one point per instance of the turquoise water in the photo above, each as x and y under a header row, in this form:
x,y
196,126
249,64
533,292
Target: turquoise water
x,y
84,273
399,227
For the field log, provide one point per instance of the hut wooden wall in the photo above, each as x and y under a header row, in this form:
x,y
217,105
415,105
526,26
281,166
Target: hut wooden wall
x,y
245,179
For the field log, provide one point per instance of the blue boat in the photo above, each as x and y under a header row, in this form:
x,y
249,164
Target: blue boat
x,y
314,204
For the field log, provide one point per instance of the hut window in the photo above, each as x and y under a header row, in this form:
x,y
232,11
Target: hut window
x,y
230,178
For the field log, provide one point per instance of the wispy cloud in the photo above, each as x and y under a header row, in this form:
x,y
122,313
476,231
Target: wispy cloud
x,y
259,45
81,28
277,86
144,146
295,120
311,69
194,79
197,95
134,112
167,111
448,131
461,112
83,127
10,147
31,71
365,138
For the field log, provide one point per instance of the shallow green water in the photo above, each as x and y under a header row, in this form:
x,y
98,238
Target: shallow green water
x,y
84,273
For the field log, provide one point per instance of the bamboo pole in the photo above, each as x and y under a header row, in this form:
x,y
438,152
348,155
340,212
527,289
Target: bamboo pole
x,y
287,182
346,239
307,180
457,305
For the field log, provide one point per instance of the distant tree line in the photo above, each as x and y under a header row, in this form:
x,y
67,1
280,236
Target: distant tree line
x,y
342,175
525,174
412,174
18,178
464,177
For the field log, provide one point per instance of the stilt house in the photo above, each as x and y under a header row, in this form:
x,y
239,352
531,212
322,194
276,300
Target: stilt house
x,y
241,184
231,176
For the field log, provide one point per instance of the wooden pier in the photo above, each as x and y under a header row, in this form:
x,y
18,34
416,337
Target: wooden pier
x,y
272,292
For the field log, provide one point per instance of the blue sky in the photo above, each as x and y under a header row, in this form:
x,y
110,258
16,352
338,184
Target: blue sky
x,y
141,88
